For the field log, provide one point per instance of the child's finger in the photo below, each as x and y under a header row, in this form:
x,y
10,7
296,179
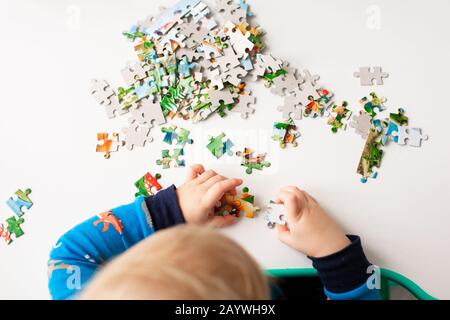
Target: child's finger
x,y
194,171
217,191
212,181
206,176
220,222
291,205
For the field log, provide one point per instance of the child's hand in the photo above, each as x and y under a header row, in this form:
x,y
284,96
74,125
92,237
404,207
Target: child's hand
x,y
200,194
310,230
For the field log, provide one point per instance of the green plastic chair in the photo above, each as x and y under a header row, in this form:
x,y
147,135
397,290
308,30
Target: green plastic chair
x,y
389,278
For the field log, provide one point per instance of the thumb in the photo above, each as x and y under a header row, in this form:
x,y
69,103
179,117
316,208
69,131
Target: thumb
x,y
284,234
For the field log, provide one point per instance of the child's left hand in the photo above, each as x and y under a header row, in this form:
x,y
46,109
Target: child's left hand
x,y
200,194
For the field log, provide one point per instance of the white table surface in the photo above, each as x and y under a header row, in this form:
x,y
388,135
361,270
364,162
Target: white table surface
x,y
49,123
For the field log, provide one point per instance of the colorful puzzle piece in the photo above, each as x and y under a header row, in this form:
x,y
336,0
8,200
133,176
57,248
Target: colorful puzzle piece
x,y
4,234
218,146
146,184
285,133
181,136
372,103
21,200
14,226
338,115
251,162
173,158
108,144
238,205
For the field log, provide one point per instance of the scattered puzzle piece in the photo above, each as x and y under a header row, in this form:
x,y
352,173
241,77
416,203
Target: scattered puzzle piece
x,y
108,144
218,146
285,133
146,184
4,234
371,156
339,114
368,75
173,159
20,201
251,162
14,226
181,136
362,123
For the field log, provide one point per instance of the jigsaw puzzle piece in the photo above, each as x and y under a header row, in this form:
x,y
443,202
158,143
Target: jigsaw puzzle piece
x,y
14,226
274,214
20,201
146,184
108,144
218,146
173,158
368,76
4,234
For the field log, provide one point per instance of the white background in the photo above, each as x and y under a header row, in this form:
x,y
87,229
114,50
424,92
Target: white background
x,y
49,123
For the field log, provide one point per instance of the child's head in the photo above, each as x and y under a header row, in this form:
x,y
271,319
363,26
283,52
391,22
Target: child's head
x,y
184,262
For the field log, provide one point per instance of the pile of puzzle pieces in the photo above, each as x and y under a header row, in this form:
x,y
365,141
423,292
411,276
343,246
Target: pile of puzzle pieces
x,y
18,202
191,66
194,61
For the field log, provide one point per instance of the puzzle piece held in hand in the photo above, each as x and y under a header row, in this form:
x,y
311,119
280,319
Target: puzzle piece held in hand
x,y
368,75
218,146
20,201
274,214
146,184
173,158
237,205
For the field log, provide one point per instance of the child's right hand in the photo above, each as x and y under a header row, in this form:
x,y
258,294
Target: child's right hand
x,y
310,230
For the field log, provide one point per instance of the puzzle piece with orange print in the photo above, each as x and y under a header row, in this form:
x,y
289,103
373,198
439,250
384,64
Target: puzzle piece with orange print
x,y
237,205
108,218
108,144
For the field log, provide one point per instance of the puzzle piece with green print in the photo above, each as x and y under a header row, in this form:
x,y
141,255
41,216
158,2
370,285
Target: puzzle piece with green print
x,y
173,158
20,201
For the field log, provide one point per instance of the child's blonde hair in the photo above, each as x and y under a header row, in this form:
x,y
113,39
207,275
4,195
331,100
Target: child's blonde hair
x,y
183,262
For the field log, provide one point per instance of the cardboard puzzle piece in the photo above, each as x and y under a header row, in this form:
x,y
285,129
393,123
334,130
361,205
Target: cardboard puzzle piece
x,y
216,97
14,226
291,108
167,159
241,204
368,76
148,113
108,144
362,123
410,136
251,162
181,136
136,136
105,96
285,133
274,214
317,107
219,146
133,73
20,201
244,105
148,185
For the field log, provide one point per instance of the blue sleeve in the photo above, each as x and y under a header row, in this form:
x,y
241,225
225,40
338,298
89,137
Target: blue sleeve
x,y
345,274
79,253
